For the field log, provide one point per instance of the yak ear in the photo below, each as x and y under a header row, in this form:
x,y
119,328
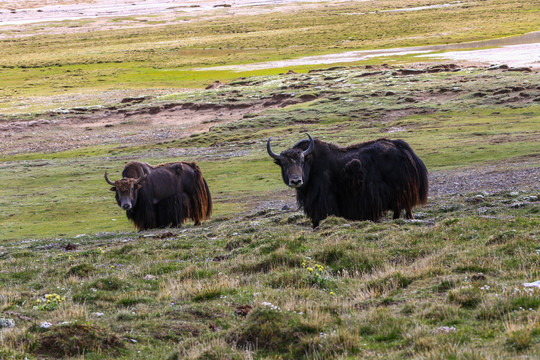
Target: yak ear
x,y
277,162
138,186
355,168
113,188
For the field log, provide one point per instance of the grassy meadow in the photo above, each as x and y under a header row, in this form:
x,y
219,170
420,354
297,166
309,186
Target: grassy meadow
x,y
256,281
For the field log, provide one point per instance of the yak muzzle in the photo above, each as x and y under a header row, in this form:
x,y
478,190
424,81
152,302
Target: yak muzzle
x,y
295,183
126,206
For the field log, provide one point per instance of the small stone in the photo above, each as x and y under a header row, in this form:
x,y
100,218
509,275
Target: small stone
x,y
6,323
45,325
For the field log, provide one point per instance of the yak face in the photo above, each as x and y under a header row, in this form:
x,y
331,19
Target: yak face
x,y
126,191
294,169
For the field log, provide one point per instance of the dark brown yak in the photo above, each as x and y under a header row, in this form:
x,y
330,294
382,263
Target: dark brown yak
x,y
359,182
163,195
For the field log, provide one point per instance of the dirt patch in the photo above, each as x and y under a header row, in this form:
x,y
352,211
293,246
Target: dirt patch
x,y
83,127
491,178
393,115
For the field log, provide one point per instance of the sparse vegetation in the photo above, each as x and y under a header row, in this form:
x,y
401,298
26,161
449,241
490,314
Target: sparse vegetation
x,y
77,281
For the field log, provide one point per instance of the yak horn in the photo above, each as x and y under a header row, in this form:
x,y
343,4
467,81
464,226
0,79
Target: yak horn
x,y
311,146
269,149
141,179
108,180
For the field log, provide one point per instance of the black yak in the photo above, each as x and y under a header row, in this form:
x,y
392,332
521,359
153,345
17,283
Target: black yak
x,y
163,195
358,182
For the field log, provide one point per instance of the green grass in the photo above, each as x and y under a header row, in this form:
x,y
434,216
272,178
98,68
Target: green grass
x,y
394,307
161,57
57,193
256,281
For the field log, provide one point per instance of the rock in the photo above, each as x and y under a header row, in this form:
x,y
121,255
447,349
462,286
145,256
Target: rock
x,y
154,110
410,71
478,277
220,258
215,85
498,67
8,323
242,310
134,100
502,91
522,69
479,94
533,284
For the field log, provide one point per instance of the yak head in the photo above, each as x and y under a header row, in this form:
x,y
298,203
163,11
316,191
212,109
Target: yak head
x,y
126,190
294,169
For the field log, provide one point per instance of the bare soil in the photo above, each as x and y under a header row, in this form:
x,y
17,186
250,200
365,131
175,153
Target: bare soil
x,y
491,178
83,127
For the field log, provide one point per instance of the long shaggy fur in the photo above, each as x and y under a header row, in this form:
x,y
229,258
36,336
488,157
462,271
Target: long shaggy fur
x,y
198,202
170,194
361,182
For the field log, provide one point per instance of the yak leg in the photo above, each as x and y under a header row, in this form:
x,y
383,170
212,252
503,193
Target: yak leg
x,y
397,213
327,207
409,214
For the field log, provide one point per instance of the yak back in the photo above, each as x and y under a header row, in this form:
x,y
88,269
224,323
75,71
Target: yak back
x,y
361,181
162,181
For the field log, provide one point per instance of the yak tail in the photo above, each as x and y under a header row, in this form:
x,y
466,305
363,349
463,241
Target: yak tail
x,y
209,206
417,174
422,178
200,202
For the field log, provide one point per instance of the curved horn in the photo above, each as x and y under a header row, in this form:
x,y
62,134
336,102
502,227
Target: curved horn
x,y
141,179
108,180
311,146
269,149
